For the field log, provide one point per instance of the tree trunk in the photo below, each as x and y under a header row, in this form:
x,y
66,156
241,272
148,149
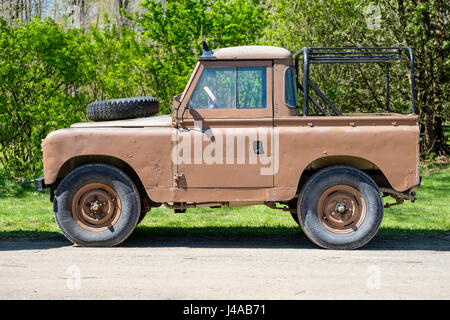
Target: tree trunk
x,y
123,6
77,14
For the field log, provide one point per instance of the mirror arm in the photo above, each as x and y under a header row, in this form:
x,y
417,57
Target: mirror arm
x,y
184,110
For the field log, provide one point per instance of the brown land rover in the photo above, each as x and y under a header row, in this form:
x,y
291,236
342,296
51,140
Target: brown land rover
x,y
237,137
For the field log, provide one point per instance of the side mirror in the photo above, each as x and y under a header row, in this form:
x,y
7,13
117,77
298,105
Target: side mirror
x,y
187,106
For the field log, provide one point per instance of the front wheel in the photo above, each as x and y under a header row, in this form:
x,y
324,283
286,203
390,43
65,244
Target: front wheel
x,y
340,208
97,205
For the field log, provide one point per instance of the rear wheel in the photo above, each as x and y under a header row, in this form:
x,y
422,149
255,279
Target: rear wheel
x,y
97,205
340,208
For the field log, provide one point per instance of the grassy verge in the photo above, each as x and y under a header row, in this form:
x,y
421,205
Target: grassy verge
x,y
28,214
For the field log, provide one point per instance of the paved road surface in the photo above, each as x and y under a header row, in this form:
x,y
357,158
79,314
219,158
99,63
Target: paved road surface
x,y
221,268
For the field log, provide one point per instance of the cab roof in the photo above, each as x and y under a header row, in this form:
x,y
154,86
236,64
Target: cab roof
x,y
249,53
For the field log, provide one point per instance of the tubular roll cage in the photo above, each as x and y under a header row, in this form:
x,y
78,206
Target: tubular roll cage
x,y
331,55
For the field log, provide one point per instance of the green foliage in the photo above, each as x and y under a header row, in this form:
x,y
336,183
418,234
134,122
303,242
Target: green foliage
x,y
48,74
39,77
47,77
352,87
11,188
173,35
112,60
357,88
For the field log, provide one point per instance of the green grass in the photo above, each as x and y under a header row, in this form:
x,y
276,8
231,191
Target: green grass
x,y
28,214
430,213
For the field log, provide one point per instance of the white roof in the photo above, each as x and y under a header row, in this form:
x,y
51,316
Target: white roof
x,y
251,52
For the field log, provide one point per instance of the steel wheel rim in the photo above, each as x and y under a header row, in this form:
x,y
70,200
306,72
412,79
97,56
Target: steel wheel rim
x,y
96,207
341,209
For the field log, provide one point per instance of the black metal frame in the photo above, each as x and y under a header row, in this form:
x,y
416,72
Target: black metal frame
x,y
323,55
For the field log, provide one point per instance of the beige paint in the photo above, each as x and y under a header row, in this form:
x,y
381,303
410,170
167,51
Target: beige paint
x,y
388,142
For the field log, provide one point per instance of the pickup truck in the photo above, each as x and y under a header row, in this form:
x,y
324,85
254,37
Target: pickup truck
x,y
237,136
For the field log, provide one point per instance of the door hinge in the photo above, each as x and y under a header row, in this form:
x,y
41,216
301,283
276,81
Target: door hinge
x,y
179,180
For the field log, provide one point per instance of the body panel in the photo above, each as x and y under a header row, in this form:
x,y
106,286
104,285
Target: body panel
x,y
227,157
222,167
391,143
159,121
393,148
147,150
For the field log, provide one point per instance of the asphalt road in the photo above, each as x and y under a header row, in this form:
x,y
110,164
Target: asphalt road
x,y
222,268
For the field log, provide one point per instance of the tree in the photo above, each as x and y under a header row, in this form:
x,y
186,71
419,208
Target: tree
x,y
22,10
415,23
171,33
422,25
98,13
40,76
48,74
113,60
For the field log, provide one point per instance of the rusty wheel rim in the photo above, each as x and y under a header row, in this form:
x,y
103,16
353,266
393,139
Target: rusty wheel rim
x,y
96,207
341,209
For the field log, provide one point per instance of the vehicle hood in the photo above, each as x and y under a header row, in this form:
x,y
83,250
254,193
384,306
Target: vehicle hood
x,y
159,121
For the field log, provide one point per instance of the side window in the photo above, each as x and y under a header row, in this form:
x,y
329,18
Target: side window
x,y
290,88
215,89
230,88
251,92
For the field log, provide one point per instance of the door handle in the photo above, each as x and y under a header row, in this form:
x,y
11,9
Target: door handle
x,y
258,147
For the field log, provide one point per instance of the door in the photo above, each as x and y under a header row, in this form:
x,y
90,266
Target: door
x,y
226,137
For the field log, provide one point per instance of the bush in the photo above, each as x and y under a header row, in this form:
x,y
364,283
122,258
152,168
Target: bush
x,y
48,74
172,34
39,90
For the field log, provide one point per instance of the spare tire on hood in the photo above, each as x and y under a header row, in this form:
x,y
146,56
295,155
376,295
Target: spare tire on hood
x,y
126,108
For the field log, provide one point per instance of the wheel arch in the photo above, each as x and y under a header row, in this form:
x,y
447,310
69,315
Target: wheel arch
x,y
78,161
359,163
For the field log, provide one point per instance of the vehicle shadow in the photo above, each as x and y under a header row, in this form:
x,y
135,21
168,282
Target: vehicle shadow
x,y
277,238
31,240
234,237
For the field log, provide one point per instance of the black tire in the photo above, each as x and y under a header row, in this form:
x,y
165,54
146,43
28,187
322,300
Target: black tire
x,y
108,178
127,108
323,187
